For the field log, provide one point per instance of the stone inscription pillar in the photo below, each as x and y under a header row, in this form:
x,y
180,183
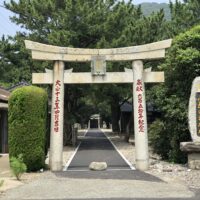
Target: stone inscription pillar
x,y
140,117
57,113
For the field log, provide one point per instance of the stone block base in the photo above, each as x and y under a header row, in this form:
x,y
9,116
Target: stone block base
x,y
194,161
193,151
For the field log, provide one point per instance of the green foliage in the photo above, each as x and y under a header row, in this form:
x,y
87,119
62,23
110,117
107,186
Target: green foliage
x,y
27,125
18,166
181,67
183,16
149,8
158,139
85,24
107,24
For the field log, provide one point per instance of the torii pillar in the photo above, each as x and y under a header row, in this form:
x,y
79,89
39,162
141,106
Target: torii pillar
x,y
140,117
57,114
98,58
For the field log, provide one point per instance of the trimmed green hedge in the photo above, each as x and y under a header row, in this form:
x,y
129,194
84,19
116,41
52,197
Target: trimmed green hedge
x,y
27,125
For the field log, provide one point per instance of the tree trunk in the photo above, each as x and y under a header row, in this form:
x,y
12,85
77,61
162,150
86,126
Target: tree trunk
x,y
127,136
67,133
115,114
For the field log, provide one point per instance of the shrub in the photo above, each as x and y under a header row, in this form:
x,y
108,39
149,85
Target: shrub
x,y
17,166
27,125
158,138
181,66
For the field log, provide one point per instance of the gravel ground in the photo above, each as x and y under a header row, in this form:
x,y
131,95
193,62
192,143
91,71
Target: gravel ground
x,y
177,180
166,171
161,169
158,168
9,181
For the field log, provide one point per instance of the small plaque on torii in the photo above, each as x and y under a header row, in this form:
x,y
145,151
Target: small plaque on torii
x,y
98,57
98,65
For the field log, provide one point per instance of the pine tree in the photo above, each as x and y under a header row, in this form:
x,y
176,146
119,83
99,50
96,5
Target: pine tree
x,y
184,16
86,24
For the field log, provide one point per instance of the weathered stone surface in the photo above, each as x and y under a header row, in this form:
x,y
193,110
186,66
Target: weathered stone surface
x,y
98,166
140,117
190,146
49,52
192,115
57,114
193,150
86,78
194,161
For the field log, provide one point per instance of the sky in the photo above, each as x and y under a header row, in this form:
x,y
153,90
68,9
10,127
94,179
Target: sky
x,y
158,1
9,28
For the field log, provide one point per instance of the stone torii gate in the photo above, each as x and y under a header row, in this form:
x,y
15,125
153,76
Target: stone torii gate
x,y
98,57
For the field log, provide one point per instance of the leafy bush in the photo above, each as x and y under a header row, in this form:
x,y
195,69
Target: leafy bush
x,y
158,139
17,166
27,125
182,65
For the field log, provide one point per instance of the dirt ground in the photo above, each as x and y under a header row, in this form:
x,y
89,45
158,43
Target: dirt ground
x,y
7,180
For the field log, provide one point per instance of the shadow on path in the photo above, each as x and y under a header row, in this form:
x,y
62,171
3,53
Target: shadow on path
x,y
115,175
96,147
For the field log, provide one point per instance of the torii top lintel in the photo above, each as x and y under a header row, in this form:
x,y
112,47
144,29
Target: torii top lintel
x,y
154,50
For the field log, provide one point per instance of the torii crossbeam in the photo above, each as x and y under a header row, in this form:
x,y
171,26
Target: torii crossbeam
x,y
98,57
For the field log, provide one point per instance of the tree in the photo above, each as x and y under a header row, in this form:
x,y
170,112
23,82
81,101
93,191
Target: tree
x,y
86,24
16,64
183,16
172,98
12,68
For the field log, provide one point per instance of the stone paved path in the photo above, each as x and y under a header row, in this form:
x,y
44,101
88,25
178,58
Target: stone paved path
x,y
95,147
117,183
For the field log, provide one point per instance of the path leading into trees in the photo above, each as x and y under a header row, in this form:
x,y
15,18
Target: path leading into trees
x,y
96,147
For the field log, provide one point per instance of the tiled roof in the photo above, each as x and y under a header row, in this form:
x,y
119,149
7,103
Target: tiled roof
x,y
20,84
126,107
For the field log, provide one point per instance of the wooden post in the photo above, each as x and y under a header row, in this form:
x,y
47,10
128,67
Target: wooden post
x,y
57,112
140,117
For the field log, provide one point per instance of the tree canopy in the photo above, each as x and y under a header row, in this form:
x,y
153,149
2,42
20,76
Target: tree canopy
x,y
182,65
93,24
105,24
